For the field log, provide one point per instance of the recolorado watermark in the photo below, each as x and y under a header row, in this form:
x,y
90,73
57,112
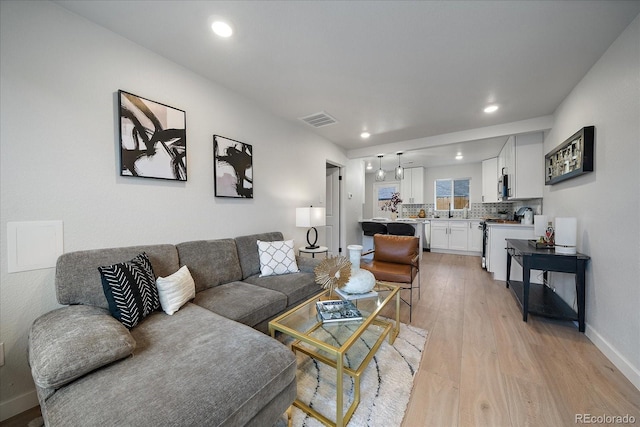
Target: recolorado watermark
x,y
604,419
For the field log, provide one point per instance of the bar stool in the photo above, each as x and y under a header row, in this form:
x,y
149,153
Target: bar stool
x,y
372,228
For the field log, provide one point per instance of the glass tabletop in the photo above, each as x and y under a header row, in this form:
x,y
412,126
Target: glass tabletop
x,y
301,323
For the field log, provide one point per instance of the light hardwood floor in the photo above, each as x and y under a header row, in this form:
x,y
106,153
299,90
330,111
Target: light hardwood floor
x,y
483,366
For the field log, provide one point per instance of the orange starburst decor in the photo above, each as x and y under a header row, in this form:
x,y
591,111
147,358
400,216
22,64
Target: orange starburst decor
x,y
333,272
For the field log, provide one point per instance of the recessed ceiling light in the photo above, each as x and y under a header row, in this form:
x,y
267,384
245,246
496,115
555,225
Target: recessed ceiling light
x,y
365,135
369,166
459,156
491,109
222,29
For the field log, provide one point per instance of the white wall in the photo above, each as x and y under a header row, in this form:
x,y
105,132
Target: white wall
x,y
606,201
59,159
473,171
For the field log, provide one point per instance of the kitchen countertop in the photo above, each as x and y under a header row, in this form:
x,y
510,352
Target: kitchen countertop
x,y
454,219
508,224
401,220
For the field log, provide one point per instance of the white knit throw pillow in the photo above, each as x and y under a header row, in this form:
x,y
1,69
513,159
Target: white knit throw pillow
x,y
175,290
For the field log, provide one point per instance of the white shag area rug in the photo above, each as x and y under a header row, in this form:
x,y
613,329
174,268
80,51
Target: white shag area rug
x,y
385,384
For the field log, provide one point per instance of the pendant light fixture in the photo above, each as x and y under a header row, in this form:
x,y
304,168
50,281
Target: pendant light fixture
x,y
380,175
399,169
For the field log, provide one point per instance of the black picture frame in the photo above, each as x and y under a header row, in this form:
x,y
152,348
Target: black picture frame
x,y
153,139
232,168
574,157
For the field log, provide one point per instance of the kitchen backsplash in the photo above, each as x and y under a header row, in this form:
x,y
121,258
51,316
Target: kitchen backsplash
x,y
477,210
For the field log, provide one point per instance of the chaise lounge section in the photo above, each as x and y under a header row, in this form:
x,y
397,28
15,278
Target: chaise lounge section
x,y
207,364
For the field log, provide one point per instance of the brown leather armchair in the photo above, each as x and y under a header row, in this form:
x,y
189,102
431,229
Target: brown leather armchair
x,y
396,259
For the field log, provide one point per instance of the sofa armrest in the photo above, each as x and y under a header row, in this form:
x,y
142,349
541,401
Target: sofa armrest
x,y
306,264
72,341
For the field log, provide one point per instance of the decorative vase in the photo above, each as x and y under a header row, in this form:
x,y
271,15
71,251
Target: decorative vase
x,y
394,215
422,214
361,281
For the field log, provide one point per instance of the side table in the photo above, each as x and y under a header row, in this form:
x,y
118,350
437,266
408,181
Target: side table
x,y
538,299
319,250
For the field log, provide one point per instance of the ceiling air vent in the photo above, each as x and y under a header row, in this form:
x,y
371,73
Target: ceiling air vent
x,y
318,120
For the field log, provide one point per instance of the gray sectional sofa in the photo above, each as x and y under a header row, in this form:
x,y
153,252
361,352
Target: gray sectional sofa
x,y
205,365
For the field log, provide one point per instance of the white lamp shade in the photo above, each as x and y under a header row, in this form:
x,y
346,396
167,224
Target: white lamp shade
x,y
566,235
310,217
540,225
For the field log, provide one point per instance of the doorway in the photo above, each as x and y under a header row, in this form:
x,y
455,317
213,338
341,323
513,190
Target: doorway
x,y
332,203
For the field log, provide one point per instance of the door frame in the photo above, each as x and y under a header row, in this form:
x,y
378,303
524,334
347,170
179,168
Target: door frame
x,y
341,203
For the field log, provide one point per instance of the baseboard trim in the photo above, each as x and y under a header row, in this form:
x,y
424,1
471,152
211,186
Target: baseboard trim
x,y
18,404
628,370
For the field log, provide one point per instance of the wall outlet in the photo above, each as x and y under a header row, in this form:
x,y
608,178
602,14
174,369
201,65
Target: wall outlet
x,y
1,354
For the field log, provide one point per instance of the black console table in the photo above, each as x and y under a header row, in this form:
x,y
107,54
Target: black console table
x,y
538,299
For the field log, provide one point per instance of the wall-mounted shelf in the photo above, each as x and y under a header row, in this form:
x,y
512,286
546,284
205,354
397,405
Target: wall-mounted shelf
x,y
572,158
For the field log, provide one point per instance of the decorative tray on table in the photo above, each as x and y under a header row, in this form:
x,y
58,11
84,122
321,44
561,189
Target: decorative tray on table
x,y
541,245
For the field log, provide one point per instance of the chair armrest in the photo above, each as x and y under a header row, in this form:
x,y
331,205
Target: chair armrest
x,y
415,259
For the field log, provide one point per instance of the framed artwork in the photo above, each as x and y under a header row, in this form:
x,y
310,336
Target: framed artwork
x,y
382,196
153,139
232,168
572,158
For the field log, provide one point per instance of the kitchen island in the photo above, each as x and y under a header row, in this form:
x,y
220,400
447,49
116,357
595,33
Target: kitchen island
x,y
416,223
497,233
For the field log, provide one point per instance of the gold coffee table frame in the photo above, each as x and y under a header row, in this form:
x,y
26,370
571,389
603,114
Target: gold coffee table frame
x,y
300,316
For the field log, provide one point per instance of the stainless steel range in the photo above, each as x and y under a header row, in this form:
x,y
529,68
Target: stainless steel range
x,y
485,238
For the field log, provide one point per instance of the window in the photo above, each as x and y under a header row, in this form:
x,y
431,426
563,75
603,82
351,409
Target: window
x,y
451,194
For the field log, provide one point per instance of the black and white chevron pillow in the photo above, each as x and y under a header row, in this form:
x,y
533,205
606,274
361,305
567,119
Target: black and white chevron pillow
x,y
130,288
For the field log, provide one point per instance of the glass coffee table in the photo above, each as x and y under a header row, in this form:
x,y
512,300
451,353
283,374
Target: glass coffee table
x,y
331,343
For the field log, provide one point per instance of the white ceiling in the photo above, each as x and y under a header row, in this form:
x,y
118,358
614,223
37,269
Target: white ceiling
x,y
403,70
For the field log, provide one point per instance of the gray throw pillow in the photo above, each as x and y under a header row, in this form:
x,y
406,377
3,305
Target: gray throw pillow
x,y
69,342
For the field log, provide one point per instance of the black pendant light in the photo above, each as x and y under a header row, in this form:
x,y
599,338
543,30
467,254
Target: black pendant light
x,y
399,169
380,174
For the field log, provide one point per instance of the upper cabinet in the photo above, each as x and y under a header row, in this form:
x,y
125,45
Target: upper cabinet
x,y
490,180
412,186
522,160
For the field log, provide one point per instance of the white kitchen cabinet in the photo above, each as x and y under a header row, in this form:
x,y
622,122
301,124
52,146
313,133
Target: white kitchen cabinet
x,y
439,234
450,235
412,186
528,175
458,232
474,238
522,159
490,180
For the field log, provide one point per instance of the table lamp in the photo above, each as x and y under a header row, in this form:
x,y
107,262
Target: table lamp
x,y
311,217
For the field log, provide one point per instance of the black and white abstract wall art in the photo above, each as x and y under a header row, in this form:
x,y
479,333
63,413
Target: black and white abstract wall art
x,y
232,168
153,142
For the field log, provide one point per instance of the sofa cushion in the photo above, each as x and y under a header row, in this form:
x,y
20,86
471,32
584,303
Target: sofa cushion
x,y
69,342
242,302
130,288
296,286
247,247
192,368
78,279
175,290
277,258
211,262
